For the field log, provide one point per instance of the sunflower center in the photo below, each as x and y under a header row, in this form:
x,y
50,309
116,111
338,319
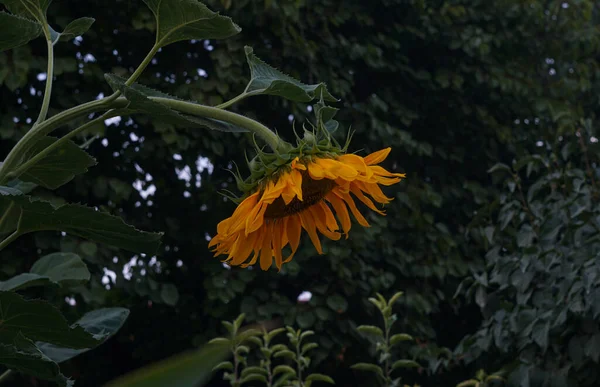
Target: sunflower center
x,y
313,191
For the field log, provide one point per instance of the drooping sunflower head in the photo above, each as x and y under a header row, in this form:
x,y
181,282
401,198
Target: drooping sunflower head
x,y
311,187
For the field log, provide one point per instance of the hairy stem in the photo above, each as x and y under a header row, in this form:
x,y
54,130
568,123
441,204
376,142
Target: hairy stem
x,y
9,239
49,78
256,127
237,98
136,74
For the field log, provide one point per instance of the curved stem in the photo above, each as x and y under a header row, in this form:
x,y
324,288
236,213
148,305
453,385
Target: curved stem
x,y
29,163
49,79
256,127
238,98
136,74
9,239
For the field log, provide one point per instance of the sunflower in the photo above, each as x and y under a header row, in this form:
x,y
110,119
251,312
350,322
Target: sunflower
x,y
303,194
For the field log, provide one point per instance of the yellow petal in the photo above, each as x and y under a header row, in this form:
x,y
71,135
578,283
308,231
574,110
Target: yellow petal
x,y
278,231
377,157
341,210
359,194
309,225
294,229
266,251
336,169
357,215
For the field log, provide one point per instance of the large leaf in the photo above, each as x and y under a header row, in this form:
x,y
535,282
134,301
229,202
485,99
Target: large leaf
x,y
82,221
140,103
102,323
62,268
16,31
23,356
39,321
34,9
59,166
265,79
188,19
24,280
74,29
189,369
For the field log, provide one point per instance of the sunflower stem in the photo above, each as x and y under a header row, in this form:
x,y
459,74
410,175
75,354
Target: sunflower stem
x,y
272,139
238,98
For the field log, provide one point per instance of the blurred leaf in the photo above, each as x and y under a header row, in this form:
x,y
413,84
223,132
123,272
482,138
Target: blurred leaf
x,y
57,168
16,31
188,19
405,364
23,356
38,321
265,79
400,337
62,268
102,323
169,294
319,378
188,369
337,303
368,367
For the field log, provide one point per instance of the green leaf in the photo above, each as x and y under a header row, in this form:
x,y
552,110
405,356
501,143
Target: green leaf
x,y
265,79
34,9
39,321
85,222
368,367
400,337
188,369
62,268
540,335
102,323
224,365
16,31
253,370
319,378
23,356
325,116
468,383
138,95
24,280
371,331
286,353
169,294
500,167
76,28
307,347
253,378
306,319
280,369
405,364
188,19
337,303
57,168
